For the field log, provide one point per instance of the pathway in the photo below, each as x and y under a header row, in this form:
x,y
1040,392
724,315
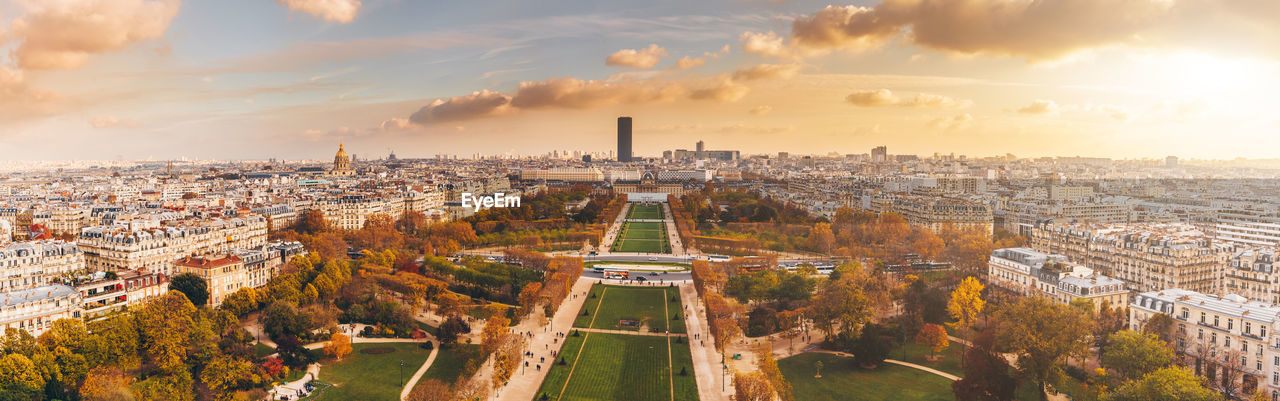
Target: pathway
x,y
711,387
413,381
524,385
902,363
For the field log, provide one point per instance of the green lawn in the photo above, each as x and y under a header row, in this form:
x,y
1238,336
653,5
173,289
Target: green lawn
x,y
261,350
642,237
842,380
645,375
554,382
450,361
645,212
948,360
650,305
682,358
361,376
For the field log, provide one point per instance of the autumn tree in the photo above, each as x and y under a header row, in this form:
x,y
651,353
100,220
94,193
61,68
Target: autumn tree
x,y
752,386
339,345
105,383
431,390
1133,355
1160,325
193,286
987,376
451,329
1043,334
1171,383
223,375
934,337
821,239
491,336
966,302
19,379
312,221
241,302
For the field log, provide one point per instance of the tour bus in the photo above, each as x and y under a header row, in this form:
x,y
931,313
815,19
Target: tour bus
x,y
618,274
718,258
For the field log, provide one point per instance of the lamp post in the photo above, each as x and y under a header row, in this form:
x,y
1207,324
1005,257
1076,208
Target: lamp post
x,y
401,373
724,370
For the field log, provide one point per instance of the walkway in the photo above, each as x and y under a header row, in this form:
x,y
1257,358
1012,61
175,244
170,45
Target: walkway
x,y
711,387
524,385
413,381
631,332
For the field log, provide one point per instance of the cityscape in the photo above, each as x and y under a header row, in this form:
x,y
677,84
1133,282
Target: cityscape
x,y
736,200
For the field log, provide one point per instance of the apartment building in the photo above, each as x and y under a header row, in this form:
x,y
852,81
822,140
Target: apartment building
x,y
1026,272
263,263
1247,227
1216,335
35,309
37,263
224,274
153,250
1146,256
349,212
1252,274
566,174
935,213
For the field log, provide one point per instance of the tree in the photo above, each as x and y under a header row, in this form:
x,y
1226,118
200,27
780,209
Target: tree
x,y
431,390
191,285
282,319
1133,354
19,380
338,346
224,375
966,302
491,337
986,374
169,333
934,337
451,328
106,384
817,368
872,346
1043,334
751,387
1171,383
312,221
1160,325
821,239
241,302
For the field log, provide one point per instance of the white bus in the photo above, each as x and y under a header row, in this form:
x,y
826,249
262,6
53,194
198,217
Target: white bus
x,y
618,274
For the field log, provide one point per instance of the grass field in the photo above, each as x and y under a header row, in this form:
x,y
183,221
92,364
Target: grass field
x,y
450,361
642,237
646,304
645,212
645,376
360,376
842,380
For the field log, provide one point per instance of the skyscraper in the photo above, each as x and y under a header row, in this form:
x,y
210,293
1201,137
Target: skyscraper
x,y
700,147
624,139
879,154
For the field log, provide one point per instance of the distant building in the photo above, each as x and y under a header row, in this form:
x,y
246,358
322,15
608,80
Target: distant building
x,y
624,139
879,154
1171,162
341,162
700,147
35,309
1149,257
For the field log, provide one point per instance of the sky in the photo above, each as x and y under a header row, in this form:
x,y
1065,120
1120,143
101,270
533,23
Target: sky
x,y
290,79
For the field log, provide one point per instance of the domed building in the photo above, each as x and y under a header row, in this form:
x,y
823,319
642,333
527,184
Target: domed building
x,y
341,162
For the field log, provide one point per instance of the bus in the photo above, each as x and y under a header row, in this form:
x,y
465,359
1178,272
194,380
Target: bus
x,y
718,258
618,274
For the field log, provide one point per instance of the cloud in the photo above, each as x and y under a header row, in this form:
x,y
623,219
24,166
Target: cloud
x,y
686,62
19,101
1043,30
871,98
957,122
722,89
885,97
395,124
643,59
766,44
766,71
580,94
760,110
113,122
1040,107
340,11
477,104
65,34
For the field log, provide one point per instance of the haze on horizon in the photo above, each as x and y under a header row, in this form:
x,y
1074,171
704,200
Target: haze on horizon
x,y
253,79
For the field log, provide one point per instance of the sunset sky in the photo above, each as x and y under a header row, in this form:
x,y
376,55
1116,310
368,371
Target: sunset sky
x,y
253,79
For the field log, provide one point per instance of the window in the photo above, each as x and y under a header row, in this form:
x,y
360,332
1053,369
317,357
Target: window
x,y
1230,323
1201,317
1215,320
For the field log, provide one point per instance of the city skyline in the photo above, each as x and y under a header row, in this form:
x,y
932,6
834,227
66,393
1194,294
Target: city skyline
x,y
165,79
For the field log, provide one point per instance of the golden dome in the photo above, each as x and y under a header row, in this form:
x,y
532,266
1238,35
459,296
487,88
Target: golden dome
x,y
341,153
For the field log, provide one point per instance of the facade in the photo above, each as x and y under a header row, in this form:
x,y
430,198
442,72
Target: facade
x,y
935,213
341,163
119,248
349,212
1025,272
1247,227
224,274
1251,273
1148,257
35,309
37,263
566,174
1217,334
